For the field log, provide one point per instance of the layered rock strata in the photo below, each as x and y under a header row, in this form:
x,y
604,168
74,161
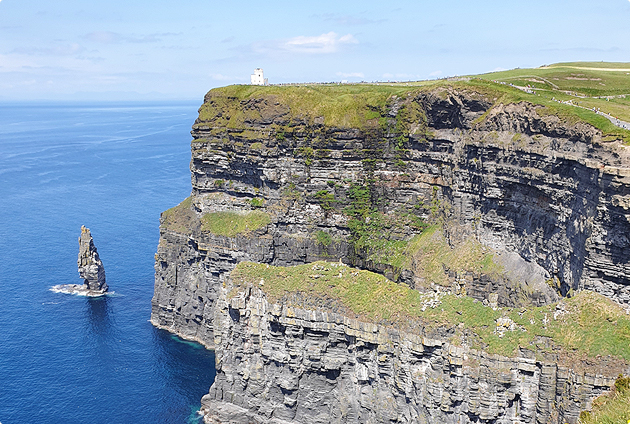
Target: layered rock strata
x,y
280,365
90,266
518,181
549,197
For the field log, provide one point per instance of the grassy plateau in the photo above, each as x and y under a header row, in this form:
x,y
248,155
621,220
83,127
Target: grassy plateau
x,y
585,325
600,85
230,224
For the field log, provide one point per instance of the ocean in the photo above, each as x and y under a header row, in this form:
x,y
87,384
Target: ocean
x,y
72,359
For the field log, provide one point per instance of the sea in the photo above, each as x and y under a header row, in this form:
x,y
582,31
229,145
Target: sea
x,y
68,359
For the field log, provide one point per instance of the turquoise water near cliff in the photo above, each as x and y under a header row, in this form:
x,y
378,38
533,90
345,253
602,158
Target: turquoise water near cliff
x,y
70,359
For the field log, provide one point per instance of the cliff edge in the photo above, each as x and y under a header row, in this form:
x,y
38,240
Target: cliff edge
x,y
442,188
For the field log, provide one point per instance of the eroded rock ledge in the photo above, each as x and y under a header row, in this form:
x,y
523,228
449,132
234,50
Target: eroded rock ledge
x,y
280,365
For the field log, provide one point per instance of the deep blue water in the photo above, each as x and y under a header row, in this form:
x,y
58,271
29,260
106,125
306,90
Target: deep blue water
x,y
71,359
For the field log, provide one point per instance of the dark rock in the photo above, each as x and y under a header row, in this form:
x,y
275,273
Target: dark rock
x,y
90,265
285,365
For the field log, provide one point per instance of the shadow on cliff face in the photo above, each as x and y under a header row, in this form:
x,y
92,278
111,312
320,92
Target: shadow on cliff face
x,y
447,109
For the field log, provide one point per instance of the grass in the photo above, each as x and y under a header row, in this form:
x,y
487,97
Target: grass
x,y
610,408
590,79
323,238
504,94
179,218
230,224
592,324
364,106
356,106
585,83
376,235
433,255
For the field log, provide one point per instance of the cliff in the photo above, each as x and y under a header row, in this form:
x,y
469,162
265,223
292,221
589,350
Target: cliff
x,y
451,187
280,364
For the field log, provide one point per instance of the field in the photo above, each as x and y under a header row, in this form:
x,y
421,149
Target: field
x,y
588,85
603,85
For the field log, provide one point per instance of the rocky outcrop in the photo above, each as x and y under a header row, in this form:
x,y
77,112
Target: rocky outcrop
x,y
90,265
280,365
519,181
547,197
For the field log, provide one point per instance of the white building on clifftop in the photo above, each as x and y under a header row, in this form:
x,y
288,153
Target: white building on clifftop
x,y
257,78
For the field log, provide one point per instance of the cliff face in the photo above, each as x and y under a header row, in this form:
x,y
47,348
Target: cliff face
x,y
279,364
517,180
90,265
544,197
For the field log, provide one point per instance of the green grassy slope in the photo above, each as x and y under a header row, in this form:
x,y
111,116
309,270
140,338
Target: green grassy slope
x,y
588,324
599,85
610,408
603,85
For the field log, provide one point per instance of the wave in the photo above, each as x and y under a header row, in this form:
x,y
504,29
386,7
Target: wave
x,y
78,290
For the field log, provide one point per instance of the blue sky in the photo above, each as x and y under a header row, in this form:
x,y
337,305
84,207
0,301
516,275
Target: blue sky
x,y
166,49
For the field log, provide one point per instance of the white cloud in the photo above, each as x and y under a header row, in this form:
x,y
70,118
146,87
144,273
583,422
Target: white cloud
x,y
435,74
351,74
325,43
320,44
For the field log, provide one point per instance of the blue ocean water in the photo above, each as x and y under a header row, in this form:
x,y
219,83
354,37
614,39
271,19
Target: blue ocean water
x,y
71,359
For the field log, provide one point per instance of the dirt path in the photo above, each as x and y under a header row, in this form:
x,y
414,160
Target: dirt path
x,y
584,68
617,122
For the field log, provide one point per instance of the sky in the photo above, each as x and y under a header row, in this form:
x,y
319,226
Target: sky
x,y
178,50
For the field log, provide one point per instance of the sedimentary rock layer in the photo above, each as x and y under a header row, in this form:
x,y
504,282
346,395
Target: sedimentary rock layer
x,y
518,181
90,265
277,364
547,195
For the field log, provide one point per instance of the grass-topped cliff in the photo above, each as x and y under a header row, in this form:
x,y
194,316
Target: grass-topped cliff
x,y
611,408
599,85
481,212
585,326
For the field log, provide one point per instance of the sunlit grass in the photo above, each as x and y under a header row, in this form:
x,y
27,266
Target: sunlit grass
x,y
591,324
610,408
232,223
364,105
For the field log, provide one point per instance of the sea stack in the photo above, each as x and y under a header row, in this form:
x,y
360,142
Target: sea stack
x,y
90,265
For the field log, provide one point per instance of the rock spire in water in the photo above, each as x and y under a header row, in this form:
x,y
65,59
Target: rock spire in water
x,y
90,265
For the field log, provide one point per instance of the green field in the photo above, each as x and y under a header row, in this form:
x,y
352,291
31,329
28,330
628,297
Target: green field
x,y
590,85
340,105
583,79
603,85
